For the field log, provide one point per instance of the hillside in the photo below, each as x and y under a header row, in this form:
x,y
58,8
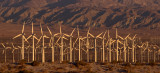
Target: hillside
x,y
132,14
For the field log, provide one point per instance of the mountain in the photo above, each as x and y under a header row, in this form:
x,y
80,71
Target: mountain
x,y
132,14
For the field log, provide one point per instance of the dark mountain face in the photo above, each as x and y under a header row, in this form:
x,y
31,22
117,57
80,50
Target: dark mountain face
x,y
96,13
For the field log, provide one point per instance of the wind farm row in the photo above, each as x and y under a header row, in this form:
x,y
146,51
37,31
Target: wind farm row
x,y
59,47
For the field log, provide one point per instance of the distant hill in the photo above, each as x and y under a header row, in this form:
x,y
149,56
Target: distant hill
x,y
132,14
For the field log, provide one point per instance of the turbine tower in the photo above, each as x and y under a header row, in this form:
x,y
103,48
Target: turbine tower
x,y
43,36
33,47
71,49
95,42
23,38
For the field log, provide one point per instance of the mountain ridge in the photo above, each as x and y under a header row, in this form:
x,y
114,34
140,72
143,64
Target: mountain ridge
x,y
132,14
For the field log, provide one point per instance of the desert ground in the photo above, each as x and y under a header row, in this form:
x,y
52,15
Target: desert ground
x,y
79,67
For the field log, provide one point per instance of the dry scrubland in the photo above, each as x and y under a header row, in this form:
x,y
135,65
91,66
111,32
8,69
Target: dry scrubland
x,y
79,67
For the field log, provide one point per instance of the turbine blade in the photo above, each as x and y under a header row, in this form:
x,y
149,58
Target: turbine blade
x,y
134,36
3,45
91,35
56,34
76,40
25,39
35,37
104,35
108,34
17,36
60,29
120,42
23,27
32,28
19,47
120,37
49,30
46,36
39,39
127,36
72,32
100,37
41,29
50,42
65,38
29,37
66,35
99,34
58,39
13,45
88,30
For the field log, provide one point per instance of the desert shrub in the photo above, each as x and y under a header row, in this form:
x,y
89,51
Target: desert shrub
x,y
25,71
104,63
152,64
35,63
65,62
114,62
126,64
72,72
110,68
139,64
22,62
80,63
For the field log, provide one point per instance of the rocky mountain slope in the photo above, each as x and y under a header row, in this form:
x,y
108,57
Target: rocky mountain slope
x,y
132,14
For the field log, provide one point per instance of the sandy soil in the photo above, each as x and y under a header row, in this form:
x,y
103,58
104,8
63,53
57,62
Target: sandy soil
x,y
80,68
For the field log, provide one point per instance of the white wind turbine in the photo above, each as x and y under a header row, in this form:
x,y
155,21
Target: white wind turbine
x,y
23,38
71,49
4,51
61,36
95,42
87,45
14,48
43,36
79,39
103,46
52,44
133,48
124,44
110,42
33,43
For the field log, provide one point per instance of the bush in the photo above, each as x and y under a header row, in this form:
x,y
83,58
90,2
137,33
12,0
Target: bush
x,y
127,64
110,68
25,71
138,64
35,63
152,64
22,62
105,63
80,63
65,62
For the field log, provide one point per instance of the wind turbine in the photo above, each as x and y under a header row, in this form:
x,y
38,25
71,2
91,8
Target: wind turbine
x,y
33,47
43,36
110,41
103,46
23,38
4,51
61,36
79,39
95,46
52,44
87,45
71,49
14,48
133,48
